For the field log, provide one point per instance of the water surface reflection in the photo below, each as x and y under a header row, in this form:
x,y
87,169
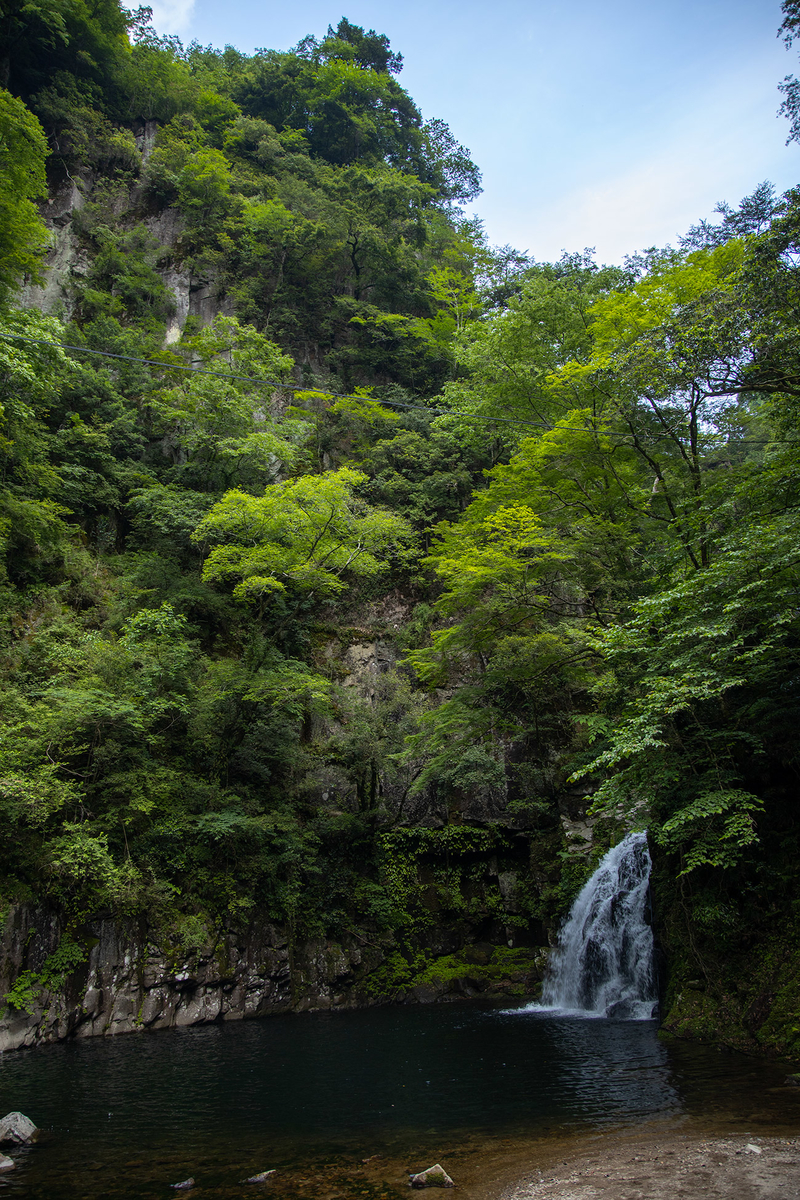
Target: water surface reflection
x,y
238,1098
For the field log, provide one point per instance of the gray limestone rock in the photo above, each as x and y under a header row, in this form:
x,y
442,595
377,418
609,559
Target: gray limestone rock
x,y
17,1130
434,1176
6,1163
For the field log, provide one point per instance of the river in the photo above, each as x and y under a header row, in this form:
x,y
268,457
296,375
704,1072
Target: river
x,y
313,1096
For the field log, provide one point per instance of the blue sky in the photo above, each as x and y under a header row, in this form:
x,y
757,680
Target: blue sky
x,y
603,123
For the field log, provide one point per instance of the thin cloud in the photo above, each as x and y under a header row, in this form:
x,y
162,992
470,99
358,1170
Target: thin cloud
x,y
172,16
720,144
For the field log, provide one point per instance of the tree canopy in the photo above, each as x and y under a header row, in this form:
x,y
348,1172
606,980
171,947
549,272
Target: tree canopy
x,y
328,530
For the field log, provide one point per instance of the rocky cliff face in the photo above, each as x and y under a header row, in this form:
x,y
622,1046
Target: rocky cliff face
x,y
129,982
67,261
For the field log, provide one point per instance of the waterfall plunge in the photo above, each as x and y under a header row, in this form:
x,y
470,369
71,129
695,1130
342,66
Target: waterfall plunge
x,y
603,964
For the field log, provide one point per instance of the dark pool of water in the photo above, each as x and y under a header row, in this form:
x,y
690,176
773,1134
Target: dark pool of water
x,y
127,1117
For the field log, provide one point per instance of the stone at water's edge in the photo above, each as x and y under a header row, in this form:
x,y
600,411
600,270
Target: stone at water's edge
x,y
434,1176
17,1130
6,1163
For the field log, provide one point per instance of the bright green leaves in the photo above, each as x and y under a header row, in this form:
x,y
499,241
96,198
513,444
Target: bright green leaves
x,y
309,535
702,694
456,299
510,357
555,523
671,287
23,234
220,430
203,185
157,82
507,551
34,797
621,599
185,169
532,562
81,868
31,374
714,828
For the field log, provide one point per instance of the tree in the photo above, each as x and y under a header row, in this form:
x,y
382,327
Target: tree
x,y
371,50
507,360
307,536
451,169
695,727
222,429
616,581
790,106
32,530
23,235
41,38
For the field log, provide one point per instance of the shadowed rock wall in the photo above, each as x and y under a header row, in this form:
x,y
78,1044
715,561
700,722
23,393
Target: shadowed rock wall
x,y
128,982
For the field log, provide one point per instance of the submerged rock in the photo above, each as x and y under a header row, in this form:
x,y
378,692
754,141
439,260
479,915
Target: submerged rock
x,y
17,1130
262,1177
184,1184
434,1176
6,1163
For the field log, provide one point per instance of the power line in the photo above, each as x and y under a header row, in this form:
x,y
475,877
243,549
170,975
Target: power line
x,y
288,387
296,389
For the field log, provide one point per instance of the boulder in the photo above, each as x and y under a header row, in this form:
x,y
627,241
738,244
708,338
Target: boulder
x,y
434,1176
480,954
17,1130
6,1163
424,993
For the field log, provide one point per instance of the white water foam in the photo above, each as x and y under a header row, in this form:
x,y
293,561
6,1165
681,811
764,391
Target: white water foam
x,y
603,965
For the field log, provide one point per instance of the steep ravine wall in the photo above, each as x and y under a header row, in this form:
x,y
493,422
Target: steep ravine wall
x,y
130,982
68,261
134,976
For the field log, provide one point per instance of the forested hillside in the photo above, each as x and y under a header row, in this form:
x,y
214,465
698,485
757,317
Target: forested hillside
x,y
360,575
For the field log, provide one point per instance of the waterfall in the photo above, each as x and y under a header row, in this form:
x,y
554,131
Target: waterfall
x,y
603,965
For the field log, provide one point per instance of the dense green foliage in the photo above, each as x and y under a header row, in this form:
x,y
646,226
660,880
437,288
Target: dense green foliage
x,y
337,599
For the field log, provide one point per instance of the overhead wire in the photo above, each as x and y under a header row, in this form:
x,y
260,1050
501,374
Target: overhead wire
x,y
298,389
276,383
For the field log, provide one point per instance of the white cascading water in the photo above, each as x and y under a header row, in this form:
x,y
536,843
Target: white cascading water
x,y
603,965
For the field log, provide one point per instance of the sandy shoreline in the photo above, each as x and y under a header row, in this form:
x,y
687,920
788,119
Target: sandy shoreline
x,y
665,1160
661,1166
675,1159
